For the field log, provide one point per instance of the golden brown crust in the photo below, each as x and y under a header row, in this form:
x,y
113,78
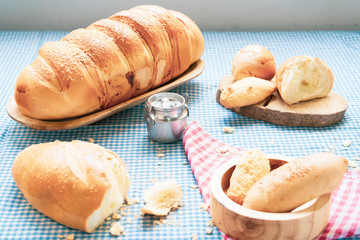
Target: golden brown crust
x,y
107,63
296,183
254,61
155,36
178,35
246,91
302,78
69,181
134,49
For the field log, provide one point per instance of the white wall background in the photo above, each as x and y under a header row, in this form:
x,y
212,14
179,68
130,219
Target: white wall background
x,y
219,15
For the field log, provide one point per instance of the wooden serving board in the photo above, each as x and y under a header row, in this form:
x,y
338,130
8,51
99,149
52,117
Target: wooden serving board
x,y
313,113
13,111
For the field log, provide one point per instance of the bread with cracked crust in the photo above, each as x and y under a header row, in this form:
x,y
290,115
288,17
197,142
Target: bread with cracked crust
x,y
109,62
76,183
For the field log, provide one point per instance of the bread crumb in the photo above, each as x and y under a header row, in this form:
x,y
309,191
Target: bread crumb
x,y
194,186
346,143
354,165
153,180
228,129
223,149
116,229
185,163
194,236
70,237
123,214
161,155
116,216
210,224
61,236
205,206
208,230
91,140
132,201
157,222
329,148
227,154
129,220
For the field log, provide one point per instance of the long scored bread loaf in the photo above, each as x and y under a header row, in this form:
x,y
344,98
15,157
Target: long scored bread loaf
x,y
110,61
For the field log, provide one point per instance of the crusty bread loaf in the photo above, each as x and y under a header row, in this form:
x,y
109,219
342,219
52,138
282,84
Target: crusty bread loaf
x,y
76,183
246,91
250,167
254,61
108,62
296,183
302,78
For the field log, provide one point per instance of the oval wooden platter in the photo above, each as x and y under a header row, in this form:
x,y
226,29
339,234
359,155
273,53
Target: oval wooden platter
x,y
305,222
13,111
313,113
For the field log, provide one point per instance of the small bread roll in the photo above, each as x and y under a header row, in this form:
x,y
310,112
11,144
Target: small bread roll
x,y
253,61
297,182
162,197
302,78
76,183
245,92
251,166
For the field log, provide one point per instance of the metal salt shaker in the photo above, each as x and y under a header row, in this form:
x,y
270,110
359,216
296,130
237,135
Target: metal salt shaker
x,y
166,116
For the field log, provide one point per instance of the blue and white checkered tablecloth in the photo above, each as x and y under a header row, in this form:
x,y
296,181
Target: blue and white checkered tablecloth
x,y
125,133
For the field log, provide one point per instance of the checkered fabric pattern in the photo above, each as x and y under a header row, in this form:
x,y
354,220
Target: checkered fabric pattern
x,y
206,154
125,133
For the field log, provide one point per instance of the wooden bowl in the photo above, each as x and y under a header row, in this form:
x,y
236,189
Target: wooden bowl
x,y
305,222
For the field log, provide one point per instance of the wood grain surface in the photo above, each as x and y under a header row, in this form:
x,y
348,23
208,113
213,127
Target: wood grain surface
x,y
313,113
13,111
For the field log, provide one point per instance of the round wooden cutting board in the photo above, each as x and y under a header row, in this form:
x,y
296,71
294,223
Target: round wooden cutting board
x,y
313,113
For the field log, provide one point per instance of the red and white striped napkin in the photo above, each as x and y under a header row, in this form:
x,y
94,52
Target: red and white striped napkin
x,y
206,154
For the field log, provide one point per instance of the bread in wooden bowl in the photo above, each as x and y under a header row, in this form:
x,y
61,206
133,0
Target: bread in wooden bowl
x,y
297,182
76,183
253,61
306,221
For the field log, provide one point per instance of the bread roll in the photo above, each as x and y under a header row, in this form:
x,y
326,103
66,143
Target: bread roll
x,y
110,61
296,183
254,61
302,78
76,183
245,92
250,167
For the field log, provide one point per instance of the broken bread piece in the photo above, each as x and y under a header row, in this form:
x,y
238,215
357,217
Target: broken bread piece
x,y
162,197
303,78
245,92
250,167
